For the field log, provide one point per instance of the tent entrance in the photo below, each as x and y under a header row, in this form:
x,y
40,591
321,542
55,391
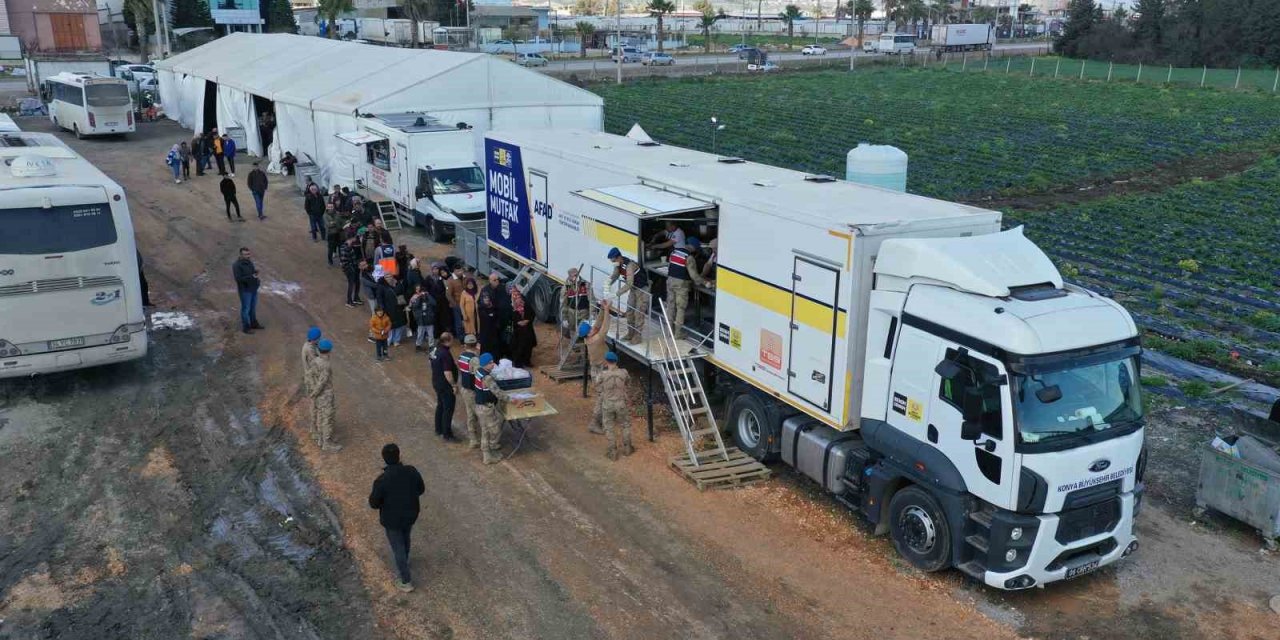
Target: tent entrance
x,y
265,112
210,107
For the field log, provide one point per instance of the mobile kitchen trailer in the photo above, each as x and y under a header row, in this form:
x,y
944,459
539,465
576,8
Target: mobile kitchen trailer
x,y
930,370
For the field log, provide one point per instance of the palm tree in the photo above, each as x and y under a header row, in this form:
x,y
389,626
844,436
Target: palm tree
x,y
141,10
940,10
416,11
658,9
862,10
705,23
585,31
331,9
893,11
984,15
916,11
789,15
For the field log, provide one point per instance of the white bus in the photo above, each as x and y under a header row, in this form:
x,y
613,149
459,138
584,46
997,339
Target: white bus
x,y
896,44
70,295
88,104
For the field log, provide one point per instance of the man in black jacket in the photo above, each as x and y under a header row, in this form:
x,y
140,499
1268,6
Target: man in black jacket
x,y
228,188
258,187
349,257
314,206
246,276
395,496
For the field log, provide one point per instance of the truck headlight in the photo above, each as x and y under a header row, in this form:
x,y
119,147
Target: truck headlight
x,y
1015,533
1011,555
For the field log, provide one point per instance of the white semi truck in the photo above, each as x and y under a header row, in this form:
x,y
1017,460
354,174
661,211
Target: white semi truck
x,y
963,37
425,168
931,371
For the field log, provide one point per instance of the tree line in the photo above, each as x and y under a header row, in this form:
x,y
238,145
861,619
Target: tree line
x,y
1182,33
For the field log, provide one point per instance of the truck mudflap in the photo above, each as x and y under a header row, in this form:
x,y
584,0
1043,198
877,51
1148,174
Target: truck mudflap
x,y
1051,561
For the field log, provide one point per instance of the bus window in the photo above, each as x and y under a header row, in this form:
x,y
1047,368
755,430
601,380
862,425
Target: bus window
x,y
904,39
107,95
60,229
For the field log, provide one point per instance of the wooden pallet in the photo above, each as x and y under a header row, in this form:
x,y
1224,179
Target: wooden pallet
x,y
739,471
560,374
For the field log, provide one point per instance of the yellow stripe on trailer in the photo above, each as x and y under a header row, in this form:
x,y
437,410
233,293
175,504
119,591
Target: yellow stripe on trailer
x,y
608,235
778,300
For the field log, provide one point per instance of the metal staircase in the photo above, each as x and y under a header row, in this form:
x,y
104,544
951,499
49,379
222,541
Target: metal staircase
x,y
387,211
689,404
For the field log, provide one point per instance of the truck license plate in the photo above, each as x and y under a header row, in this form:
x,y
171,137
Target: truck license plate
x,y
112,124
1075,572
66,343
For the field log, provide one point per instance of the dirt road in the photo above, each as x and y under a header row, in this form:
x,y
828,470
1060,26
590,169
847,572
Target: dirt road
x,y
180,497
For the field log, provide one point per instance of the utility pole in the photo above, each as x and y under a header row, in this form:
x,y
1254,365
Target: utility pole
x,y
617,47
155,19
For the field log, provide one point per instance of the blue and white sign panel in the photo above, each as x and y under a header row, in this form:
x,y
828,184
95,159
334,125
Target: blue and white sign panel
x,y
509,222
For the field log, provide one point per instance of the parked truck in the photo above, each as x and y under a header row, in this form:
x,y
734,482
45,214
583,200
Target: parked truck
x,y
963,37
931,371
425,168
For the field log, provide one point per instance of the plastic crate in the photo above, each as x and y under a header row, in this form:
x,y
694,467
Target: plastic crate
x,y
515,383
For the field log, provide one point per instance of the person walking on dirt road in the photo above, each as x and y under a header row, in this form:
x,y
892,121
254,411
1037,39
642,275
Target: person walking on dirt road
x,y
488,411
258,187
323,412
614,413
184,152
228,188
395,495
444,379
314,205
246,277
466,380
229,152
308,354
216,145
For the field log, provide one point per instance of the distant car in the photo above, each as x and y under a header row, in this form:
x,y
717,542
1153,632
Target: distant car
x,y
629,54
657,59
871,46
531,60
745,52
814,50
737,48
136,71
763,68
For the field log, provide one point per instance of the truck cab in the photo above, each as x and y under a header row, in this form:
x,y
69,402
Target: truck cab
x,y
447,195
1015,398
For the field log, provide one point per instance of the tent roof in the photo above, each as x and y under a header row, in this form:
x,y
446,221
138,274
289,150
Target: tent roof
x,y
348,77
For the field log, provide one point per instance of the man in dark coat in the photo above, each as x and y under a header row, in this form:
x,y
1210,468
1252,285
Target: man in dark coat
x,y
228,188
390,294
491,305
314,205
245,273
258,187
395,495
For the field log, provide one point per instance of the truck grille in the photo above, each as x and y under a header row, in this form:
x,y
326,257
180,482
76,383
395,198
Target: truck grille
x,y
1088,521
59,284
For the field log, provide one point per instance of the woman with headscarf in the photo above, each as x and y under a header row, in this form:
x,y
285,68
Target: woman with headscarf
x,y
489,303
441,294
523,338
467,301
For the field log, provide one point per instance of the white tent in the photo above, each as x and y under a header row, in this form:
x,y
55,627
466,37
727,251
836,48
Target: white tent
x,y
318,87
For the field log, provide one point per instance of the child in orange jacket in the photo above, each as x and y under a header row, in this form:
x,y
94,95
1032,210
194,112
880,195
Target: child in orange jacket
x,y
379,330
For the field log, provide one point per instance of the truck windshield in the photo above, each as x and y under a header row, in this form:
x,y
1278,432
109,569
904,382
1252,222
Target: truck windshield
x,y
1054,403
107,95
460,180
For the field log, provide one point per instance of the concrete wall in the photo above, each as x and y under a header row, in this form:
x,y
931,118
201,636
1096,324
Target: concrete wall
x,y
31,21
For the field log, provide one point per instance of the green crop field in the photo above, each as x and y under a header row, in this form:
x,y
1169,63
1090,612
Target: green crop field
x,y
1194,258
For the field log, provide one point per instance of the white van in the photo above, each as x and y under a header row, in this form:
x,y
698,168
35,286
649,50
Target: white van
x,y
897,44
88,104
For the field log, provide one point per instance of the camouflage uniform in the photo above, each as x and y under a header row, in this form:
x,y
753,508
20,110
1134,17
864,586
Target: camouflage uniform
x,y
323,411
682,274
309,353
489,399
575,304
636,286
614,413
466,379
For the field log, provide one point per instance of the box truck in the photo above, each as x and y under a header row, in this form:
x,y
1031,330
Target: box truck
x,y
426,169
930,370
963,37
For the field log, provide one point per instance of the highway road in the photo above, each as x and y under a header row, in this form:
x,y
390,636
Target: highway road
x,y
781,57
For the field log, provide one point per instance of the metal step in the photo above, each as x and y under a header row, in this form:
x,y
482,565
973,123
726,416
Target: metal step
x,y
974,568
688,399
702,432
981,517
977,542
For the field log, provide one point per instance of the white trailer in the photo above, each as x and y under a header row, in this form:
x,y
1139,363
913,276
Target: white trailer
x,y
963,37
425,168
930,370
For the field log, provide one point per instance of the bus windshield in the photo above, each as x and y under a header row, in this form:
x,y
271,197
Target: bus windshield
x,y
59,229
107,95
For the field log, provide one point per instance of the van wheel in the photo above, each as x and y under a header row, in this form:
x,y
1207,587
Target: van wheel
x,y
437,232
545,301
919,529
754,426
75,128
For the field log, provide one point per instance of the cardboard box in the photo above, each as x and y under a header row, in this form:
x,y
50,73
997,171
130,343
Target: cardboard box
x,y
526,403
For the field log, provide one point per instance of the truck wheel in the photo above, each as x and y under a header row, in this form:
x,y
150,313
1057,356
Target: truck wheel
x,y
545,301
437,232
919,529
753,426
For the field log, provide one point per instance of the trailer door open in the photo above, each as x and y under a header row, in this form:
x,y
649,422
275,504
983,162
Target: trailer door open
x,y
814,290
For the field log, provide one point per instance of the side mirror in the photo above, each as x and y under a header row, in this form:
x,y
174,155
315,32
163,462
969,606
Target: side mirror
x,y
420,193
948,369
970,430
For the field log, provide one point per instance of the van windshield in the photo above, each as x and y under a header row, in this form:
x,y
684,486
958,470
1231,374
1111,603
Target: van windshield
x,y
62,229
107,95
460,180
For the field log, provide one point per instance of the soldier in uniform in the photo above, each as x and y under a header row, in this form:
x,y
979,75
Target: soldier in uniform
x,y
636,286
575,305
320,385
308,354
489,412
467,380
682,274
614,413
594,339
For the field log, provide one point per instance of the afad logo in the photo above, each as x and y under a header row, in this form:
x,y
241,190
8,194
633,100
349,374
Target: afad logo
x,y
105,297
502,157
